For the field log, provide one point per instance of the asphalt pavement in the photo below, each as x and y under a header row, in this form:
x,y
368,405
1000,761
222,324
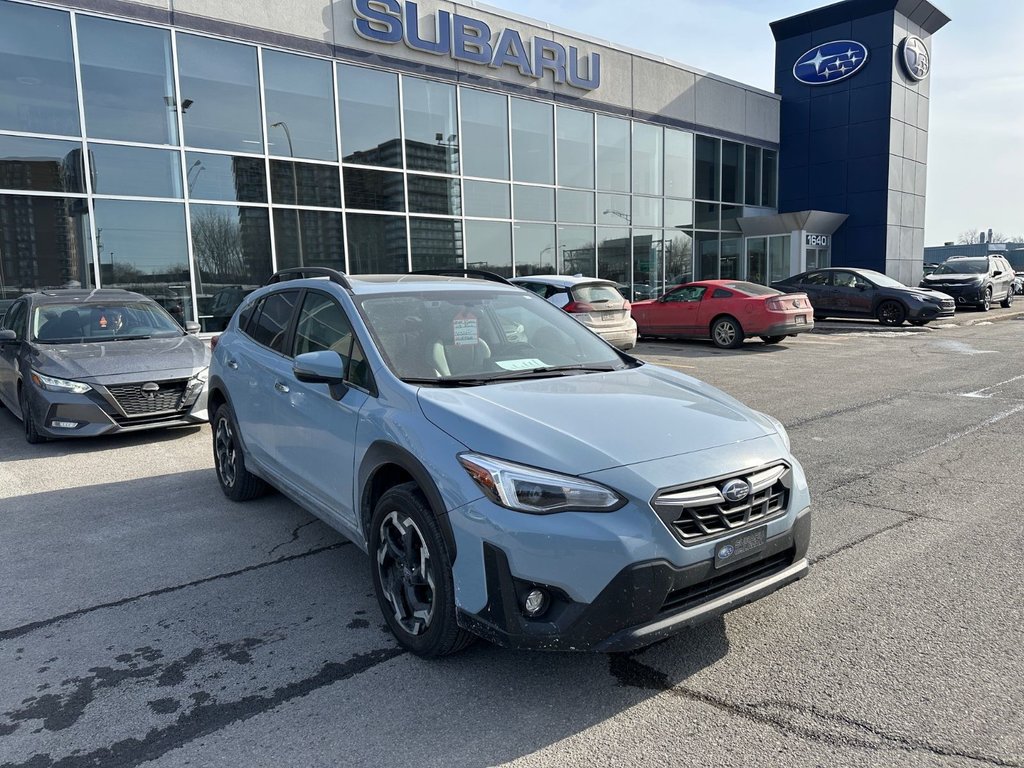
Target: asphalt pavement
x,y
146,620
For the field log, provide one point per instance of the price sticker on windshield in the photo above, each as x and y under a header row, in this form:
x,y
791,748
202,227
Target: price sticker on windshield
x,y
464,331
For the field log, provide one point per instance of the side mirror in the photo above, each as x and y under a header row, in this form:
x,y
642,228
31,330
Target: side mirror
x,y
324,367
192,327
861,287
7,335
997,273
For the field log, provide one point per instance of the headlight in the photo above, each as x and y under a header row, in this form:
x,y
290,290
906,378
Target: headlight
x,y
52,384
780,429
525,489
201,375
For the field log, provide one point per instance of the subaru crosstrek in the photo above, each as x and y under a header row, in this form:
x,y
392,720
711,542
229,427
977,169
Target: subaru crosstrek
x,y
510,474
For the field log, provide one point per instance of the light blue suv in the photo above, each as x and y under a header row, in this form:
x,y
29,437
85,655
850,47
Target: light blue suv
x,y
510,474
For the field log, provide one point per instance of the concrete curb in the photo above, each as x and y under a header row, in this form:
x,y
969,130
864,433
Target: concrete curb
x,y
988,317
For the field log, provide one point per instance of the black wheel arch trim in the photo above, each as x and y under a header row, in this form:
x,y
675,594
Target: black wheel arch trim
x,y
382,453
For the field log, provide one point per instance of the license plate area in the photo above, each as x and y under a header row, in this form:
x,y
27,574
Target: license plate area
x,y
801,319
740,547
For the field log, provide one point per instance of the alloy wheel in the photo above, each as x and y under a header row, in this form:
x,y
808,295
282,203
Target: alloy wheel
x,y
725,334
227,452
406,573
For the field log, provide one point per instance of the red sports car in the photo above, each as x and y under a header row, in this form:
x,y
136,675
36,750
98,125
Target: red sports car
x,y
725,311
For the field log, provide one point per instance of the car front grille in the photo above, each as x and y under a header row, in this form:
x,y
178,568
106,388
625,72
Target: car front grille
x,y
697,513
135,401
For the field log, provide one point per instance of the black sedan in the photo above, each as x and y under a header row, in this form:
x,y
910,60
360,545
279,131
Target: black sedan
x,y
77,363
849,292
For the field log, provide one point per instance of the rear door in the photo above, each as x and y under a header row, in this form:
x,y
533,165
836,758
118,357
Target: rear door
x,y
316,434
818,288
262,368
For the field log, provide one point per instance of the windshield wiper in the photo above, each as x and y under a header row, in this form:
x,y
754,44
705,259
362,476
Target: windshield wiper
x,y
130,338
548,370
448,381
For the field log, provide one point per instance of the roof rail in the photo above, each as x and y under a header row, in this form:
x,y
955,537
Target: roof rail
x,y
300,273
455,272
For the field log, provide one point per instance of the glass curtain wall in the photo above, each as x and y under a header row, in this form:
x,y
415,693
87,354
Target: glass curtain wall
x,y
189,168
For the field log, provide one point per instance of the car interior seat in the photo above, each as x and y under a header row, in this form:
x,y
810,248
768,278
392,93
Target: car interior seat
x,y
458,351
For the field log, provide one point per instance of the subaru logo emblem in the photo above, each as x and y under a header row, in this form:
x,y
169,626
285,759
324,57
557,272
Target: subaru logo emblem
x,y
726,552
917,63
830,62
736,490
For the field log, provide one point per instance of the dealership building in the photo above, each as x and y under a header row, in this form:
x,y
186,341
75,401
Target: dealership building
x,y
187,149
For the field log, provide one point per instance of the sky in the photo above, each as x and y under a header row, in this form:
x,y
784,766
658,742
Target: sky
x,y
976,122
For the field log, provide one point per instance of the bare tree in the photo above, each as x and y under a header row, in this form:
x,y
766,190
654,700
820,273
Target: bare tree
x,y
969,237
218,245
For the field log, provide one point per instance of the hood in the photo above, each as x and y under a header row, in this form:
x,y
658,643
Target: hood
x,y
959,277
585,423
122,360
926,293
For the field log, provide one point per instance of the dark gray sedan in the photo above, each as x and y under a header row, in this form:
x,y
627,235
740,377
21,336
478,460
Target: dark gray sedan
x,y
78,363
849,292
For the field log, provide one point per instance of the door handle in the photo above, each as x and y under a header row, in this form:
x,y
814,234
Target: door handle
x,y
280,386
233,365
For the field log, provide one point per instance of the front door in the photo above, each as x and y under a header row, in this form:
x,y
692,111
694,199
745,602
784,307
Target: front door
x,y
851,294
676,313
10,351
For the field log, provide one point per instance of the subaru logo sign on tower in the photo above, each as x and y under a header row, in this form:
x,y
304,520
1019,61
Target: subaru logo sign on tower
x,y
830,62
914,55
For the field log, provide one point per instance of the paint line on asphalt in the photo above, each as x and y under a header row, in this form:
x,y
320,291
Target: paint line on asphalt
x,y
978,392
977,427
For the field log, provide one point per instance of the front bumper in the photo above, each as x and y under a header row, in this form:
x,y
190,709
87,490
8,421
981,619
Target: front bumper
x,y
645,602
90,415
973,293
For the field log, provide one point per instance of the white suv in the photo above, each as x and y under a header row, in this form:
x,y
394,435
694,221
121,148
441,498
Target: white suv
x,y
595,303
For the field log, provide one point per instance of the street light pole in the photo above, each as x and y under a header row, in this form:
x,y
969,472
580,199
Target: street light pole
x,y
295,188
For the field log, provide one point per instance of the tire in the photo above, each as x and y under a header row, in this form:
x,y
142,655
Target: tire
x,y
891,313
1008,301
772,339
237,482
32,435
986,303
726,333
412,575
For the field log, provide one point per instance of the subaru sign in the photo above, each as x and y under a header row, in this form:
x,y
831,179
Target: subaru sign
x,y
464,38
914,55
830,62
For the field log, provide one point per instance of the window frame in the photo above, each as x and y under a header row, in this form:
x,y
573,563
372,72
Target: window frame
x,y
289,329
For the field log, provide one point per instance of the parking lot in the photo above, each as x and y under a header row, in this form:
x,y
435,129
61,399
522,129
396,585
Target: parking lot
x,y
144,619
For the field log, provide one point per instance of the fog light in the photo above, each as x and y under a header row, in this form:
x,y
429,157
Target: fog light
x,y
536,603
64,424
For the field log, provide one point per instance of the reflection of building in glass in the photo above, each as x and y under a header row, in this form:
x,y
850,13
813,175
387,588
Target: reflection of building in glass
x,y
579,260
436,244
39,242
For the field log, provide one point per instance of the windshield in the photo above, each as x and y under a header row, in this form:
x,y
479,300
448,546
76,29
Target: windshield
x,y
481,336
882,281
963,267
82,323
